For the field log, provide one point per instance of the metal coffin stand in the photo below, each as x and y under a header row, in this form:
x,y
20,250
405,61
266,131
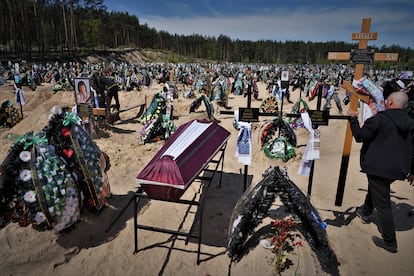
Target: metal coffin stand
x,y
206,175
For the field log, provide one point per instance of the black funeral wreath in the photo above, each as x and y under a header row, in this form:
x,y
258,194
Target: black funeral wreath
x,y
254,206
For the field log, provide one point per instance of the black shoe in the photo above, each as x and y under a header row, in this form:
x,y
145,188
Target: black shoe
x,y
380,243
363,215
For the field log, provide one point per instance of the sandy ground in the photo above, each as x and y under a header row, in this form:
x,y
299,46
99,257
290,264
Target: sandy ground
x,y
88,249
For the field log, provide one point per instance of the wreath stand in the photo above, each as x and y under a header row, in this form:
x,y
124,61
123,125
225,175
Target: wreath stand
x,y
206,175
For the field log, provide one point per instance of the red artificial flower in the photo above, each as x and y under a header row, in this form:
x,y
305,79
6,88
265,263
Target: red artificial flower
x,y
68,152
65,132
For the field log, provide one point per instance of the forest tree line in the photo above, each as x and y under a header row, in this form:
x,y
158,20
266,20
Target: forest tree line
x,y
41,28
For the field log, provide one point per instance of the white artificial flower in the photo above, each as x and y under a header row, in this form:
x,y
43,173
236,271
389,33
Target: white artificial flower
x,y
25,156
25,175
30,196
40,217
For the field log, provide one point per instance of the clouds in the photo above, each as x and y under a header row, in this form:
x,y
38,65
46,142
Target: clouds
x,y
265,19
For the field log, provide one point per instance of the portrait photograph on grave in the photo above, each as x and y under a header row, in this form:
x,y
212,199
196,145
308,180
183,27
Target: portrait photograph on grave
x,y
82,90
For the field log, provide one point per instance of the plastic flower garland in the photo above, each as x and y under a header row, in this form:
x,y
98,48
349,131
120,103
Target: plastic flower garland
x,y
208,104
61,194
156,108
254,205
38,189
279,148
157,129
89,159
269,105
283,146
297,122
82,156
9,115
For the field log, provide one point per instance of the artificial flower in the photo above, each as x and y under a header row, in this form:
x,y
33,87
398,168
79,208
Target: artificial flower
x,y
52,149
65,132
75,202
30,196
25,156
68,152
25,175
65,220
69,211
40,217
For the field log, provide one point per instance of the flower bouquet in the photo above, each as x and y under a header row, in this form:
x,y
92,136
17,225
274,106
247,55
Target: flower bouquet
x,y
284,241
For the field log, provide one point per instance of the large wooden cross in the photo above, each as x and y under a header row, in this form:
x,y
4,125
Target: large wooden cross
x,y
360,56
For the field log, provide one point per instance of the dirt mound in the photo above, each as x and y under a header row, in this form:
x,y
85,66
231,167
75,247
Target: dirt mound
x,y
127,55
96,56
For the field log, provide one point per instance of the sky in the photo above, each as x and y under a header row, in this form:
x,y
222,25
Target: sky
x,y
303,20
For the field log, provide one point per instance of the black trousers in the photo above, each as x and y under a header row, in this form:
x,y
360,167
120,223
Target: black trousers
x,y
378,197
112,93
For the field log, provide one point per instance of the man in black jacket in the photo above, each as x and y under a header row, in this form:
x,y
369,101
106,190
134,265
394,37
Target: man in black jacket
x,y
387,154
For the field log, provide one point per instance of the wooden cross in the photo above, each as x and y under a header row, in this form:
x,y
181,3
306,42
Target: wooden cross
x,y
360,56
